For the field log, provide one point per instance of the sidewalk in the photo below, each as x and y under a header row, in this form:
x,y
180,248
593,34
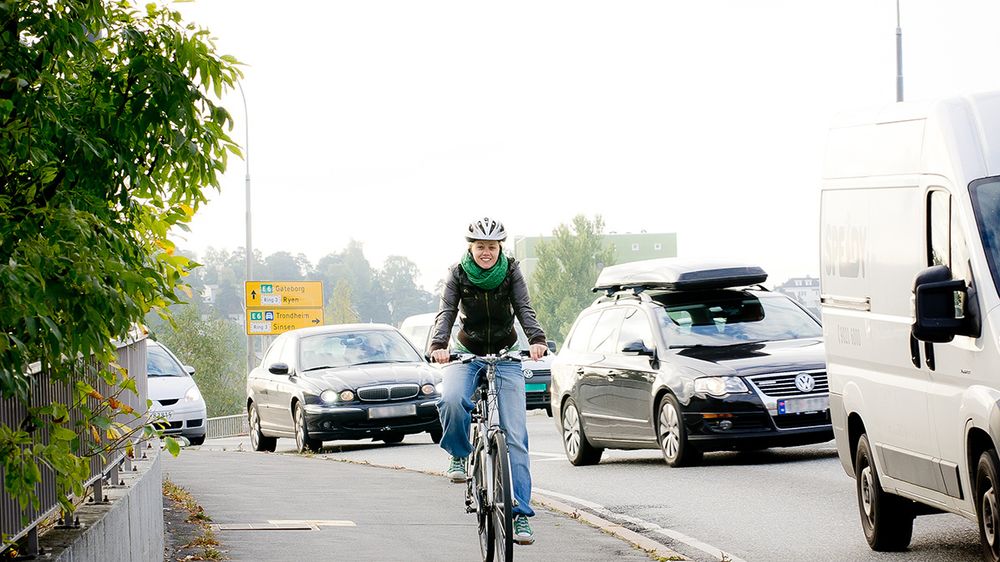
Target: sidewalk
x,y
358,512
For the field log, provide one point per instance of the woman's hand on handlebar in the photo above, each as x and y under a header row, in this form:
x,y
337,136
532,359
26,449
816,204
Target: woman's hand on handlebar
x,y
538,351
440,356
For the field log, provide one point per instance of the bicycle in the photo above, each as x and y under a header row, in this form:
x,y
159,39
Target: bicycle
x,y
489,488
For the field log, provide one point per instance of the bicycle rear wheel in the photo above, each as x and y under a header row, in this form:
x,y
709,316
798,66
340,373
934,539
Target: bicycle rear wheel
x,y
503,498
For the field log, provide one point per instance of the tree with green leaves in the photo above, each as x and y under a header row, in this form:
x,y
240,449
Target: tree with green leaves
x,y
566,271
398,279
339,309
109,136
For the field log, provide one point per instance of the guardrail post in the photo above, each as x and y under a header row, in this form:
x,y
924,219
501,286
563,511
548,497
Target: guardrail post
x,y
99,490
31,548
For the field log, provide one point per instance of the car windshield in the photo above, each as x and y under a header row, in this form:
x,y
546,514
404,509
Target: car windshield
x,y
344,349
159,363
727,317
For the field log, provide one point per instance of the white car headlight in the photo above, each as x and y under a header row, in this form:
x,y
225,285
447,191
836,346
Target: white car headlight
x,y
192,395
720,386
328,396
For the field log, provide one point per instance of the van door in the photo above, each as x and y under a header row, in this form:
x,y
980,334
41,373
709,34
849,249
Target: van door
x,y
872,250
950,366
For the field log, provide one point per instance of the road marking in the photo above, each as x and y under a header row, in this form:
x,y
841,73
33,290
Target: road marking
x,y
316,522
644,525
540,454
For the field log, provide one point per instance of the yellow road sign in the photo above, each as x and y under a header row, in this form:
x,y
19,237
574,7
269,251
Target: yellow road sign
x,y
283,294
273,321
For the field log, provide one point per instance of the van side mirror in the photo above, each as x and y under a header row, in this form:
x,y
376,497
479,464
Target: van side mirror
x,y
637,347
278,369
939,306
551,345
189,370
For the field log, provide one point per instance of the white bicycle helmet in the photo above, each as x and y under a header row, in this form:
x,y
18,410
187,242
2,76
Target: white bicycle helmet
x,y
486,229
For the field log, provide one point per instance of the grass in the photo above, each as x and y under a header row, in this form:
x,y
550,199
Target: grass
x,y
207,540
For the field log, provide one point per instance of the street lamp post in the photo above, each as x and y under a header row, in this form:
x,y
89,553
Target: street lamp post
x,y
249,244
899,57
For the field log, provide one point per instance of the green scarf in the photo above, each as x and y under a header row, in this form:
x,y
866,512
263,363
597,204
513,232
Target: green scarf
x,y
487,279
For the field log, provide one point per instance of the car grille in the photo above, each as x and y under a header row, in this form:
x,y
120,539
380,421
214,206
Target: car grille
x,y
168,402
539,373
169,425
388,392
783,384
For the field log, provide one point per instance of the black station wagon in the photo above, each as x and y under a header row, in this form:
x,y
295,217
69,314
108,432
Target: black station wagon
x,y
689,357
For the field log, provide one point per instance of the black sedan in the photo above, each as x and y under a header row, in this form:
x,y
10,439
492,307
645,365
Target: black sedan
x,y
349,381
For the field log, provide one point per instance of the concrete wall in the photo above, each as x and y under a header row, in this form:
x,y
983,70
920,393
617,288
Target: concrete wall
x,y
128,528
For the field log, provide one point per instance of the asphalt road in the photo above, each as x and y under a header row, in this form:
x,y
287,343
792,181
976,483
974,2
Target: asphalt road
x,y
780,504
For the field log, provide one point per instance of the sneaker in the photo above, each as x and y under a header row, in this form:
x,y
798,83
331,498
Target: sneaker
x,y
456,470
522,530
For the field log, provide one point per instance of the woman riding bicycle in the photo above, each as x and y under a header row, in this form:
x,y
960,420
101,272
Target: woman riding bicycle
x,y
486,290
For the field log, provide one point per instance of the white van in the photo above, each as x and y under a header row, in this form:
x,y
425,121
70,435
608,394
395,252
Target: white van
x,y
910,266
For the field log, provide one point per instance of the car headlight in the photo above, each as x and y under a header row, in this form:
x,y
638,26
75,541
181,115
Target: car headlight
x,y
428,389
720,386
192,395
328,396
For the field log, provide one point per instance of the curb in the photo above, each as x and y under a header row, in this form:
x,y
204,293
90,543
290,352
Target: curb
x,y
639,541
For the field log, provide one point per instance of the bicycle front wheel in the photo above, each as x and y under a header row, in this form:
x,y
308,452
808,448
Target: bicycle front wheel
x,y
503,500
477,490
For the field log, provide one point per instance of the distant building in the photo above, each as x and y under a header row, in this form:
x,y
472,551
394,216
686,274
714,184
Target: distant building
x,y
628,248
803,289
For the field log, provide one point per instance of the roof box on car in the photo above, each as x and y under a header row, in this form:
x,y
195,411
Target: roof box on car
x,y
673,274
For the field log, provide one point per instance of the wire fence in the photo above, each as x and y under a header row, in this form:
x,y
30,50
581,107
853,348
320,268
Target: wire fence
x,y
16,522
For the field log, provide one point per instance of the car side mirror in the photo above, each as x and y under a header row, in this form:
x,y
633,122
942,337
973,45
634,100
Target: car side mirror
x,y
637,347
189,369
939,306
278,369
551,345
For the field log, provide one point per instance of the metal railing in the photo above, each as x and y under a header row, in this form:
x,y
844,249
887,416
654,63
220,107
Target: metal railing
x,y
227,426
17,523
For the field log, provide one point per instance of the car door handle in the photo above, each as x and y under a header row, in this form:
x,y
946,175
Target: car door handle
x,y
579,372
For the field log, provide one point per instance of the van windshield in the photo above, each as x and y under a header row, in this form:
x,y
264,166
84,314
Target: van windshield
x,y
726,317
986,206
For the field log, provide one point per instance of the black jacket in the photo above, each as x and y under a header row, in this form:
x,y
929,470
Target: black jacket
x,y
486,318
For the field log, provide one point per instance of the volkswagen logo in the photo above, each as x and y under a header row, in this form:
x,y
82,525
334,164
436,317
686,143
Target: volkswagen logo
x,y
527,373
805,382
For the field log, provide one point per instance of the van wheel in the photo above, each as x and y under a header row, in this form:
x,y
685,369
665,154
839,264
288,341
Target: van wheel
x,y
579,451
672,435
886,519
986,505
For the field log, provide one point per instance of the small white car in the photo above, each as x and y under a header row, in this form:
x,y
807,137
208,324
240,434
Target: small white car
x,y
177,405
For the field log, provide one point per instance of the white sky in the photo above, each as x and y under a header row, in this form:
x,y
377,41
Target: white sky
x,y
396,123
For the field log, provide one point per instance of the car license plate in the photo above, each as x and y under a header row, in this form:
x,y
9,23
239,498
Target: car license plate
x,y
535,387
799,405
392,411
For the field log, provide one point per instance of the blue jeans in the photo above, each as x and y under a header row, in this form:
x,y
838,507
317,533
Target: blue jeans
x,y
455,410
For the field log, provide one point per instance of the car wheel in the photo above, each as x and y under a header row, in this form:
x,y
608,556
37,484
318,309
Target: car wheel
x,y
303,442
672,435
436,434
196,440
886,519
259,441
393,438
579,451
986,505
